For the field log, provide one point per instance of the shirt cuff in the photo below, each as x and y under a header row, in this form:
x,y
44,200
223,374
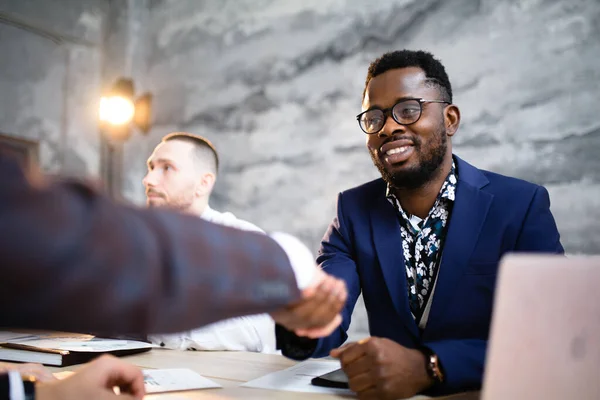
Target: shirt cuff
x,y
17,390
293,346
302,261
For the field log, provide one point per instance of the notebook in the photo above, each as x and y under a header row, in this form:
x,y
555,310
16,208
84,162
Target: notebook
x,y
62,349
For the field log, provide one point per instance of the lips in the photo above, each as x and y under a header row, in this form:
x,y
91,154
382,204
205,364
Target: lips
x,y
153,195
397,151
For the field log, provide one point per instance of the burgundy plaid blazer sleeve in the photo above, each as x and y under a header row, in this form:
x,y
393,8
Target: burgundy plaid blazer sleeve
x,y
71,259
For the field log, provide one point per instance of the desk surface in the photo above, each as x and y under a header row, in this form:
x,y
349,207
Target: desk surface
x,y
229,369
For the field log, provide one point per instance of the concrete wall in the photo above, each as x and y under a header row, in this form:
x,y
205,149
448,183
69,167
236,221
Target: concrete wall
x,y
50,77
276,84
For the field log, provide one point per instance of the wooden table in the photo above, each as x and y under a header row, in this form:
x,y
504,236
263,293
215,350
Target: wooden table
x,y
229,369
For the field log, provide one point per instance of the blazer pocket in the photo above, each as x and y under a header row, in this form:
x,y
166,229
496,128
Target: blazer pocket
x,y
483,268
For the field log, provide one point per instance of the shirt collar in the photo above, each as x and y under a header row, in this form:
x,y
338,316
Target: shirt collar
x,y
447,191
208,214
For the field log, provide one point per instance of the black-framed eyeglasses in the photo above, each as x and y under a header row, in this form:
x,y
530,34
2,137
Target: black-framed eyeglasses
x,y
404,112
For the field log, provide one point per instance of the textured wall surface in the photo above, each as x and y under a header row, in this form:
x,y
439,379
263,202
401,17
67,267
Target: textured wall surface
x,y
275,84
50,71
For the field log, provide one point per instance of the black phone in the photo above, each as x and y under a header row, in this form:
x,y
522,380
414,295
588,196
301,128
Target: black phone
x,y
333,379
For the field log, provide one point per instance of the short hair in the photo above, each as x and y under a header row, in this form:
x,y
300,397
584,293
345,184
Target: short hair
x,y
203,146
435,72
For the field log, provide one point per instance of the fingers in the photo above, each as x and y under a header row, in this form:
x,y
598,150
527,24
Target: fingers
x,y
128,378
315,333
361,382
336,352
38,371
350,352
324,282
114,372
317,314
318,277
358,367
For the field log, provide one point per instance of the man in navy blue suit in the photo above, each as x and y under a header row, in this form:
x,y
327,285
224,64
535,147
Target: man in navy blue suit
x,y
423,243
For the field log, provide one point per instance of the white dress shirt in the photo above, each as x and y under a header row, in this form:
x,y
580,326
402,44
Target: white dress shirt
x,y
249,333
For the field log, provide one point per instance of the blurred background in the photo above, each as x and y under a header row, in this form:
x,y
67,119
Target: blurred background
x,y
275,84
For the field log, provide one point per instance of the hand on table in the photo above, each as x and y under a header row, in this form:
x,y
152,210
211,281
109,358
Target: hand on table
x,y
38,371
379,368
95,381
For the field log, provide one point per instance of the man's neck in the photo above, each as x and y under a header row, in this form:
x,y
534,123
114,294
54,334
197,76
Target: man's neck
x,y
197,208
419,201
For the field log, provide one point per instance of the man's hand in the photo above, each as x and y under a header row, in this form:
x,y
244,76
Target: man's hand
x,y
379,368
96,381
318,313
38,371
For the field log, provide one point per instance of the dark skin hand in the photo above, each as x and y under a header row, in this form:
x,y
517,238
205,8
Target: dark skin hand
x,y
379,368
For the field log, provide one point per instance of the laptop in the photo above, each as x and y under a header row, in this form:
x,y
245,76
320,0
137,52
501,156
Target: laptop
x,y
545,333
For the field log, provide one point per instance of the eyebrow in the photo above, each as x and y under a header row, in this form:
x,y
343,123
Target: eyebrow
x,y
161,161
396,101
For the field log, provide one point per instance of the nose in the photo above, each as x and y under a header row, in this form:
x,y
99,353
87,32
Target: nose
x,y
149,180
390,127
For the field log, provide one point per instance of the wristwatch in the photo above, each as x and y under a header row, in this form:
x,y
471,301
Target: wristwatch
x,y
433,366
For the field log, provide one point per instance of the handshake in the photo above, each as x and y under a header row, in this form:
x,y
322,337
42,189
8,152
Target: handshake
x,y
317,314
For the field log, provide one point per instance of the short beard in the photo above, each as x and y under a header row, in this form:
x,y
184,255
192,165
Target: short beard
x,y
179,205
417,177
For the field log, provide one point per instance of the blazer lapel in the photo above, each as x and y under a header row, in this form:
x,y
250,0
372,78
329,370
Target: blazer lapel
x,y
388,244
468,215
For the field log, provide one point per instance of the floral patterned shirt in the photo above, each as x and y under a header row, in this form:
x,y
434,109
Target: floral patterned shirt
x,y
422,242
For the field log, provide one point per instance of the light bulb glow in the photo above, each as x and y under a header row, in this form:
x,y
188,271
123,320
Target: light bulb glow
x,y
116,110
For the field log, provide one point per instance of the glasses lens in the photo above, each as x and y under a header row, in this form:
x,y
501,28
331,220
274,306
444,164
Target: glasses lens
x,y
407,112
372,121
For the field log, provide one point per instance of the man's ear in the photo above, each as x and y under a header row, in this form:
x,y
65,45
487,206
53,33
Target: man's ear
x,y
451,119
206,184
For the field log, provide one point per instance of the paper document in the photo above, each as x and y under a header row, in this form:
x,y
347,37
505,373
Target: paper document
x,y
166,380
171,380
298,377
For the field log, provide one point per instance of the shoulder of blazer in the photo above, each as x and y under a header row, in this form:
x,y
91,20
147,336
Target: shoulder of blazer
x,y
506,186
366,191
502,186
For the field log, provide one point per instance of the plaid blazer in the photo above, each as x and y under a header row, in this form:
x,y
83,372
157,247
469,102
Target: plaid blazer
x,y
72,259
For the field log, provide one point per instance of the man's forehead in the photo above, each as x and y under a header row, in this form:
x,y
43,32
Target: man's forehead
x,y
395,84
172,150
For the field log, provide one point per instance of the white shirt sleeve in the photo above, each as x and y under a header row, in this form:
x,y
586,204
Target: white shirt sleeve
x,y
250,333
302,260
17,390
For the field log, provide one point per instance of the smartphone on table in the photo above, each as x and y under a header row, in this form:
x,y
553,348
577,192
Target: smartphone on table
x,y
333,379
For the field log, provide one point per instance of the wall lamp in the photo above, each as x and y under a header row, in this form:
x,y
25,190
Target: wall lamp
x,y
119,110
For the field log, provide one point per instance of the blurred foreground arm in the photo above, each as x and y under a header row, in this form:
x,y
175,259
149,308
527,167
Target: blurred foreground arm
x,y
71,259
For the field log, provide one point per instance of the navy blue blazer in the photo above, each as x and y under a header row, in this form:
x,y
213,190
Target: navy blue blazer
x,y
492,215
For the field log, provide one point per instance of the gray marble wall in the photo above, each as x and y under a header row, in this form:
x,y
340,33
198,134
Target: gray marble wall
x,y
50,79
276,84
